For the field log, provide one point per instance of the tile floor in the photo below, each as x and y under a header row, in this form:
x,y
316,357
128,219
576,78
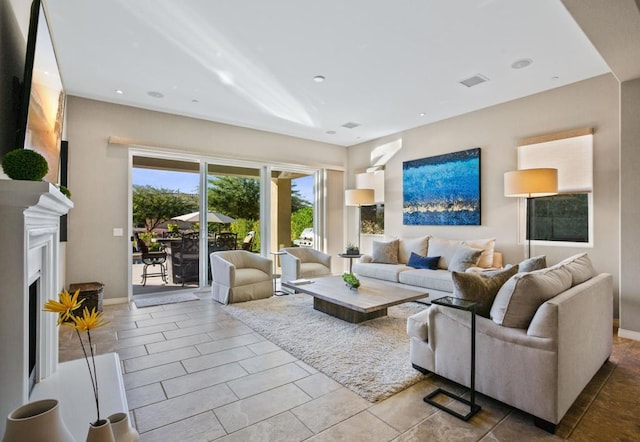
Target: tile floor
x,y
194,373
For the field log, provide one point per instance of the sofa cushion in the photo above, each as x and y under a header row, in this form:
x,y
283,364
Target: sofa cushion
x,y
579,266
481,287
386,272
423,262
487,246
519,298
533,263
428,279
412,245
385,252
313,270
444,248
463,258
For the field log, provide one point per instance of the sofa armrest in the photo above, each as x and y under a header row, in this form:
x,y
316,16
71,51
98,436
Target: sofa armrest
x,y
224,271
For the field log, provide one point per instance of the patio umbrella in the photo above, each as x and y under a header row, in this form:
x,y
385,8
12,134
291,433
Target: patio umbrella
x,y
212,217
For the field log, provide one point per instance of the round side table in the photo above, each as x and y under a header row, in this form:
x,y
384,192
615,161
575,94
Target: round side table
x,y
350,258
277,292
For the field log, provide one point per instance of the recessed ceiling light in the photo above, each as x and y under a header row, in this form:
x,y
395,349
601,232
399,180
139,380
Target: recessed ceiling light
x,y
318,78
331,132
421,114
155,94
523,63
119,91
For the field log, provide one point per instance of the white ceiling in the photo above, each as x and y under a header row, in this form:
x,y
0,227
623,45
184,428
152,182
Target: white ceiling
x,y
251,63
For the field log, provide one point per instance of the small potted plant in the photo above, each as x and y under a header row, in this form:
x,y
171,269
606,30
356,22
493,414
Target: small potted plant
x,y
352,249
25,164
351,280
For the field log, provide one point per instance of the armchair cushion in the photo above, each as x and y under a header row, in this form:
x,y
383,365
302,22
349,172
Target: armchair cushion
x,y
304,262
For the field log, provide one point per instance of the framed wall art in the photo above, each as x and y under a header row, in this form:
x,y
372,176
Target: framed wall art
x,y
442,190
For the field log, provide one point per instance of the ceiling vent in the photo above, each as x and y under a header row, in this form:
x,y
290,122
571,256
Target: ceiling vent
x,y
475,80
350,125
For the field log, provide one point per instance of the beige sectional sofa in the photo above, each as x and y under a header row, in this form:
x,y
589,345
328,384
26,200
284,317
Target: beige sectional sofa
x,y
438,282
548,333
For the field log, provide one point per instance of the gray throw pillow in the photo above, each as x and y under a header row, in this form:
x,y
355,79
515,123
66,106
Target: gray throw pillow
x,y
463,258
519,298
481,287
533,263
385,252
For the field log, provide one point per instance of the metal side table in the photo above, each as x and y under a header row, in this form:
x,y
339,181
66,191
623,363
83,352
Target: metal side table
x,y
275,274
470,306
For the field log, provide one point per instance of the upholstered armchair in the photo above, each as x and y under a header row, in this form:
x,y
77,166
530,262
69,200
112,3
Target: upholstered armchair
x,y
304,262
240,276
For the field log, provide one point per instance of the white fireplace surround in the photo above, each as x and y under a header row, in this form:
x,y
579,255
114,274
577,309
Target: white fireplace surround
x,y
30,240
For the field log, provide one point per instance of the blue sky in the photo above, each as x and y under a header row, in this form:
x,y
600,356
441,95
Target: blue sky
x,y
188,182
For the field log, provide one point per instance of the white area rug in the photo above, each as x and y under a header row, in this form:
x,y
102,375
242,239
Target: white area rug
x,y
165,299
370,358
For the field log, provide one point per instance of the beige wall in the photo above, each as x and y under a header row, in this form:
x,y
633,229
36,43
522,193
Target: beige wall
x,y
99,174
630,214
590,103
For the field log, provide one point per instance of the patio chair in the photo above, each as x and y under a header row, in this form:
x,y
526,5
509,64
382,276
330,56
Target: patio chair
x,y
151,259
186,258
303,262
225,241
240,276
247,242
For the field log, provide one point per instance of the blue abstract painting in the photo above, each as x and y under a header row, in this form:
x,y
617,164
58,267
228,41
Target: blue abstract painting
x,y
442,190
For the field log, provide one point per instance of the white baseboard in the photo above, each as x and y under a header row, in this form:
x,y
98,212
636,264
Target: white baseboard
x,y
629,334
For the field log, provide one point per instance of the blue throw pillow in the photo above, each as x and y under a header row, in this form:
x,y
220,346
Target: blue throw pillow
x,y
423,262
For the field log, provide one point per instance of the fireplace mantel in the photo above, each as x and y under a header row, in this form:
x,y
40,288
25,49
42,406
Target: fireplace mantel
x,y
30,245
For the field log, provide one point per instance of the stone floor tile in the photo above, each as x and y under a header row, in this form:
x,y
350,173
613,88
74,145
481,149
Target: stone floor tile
x,y
201,428
132,352
518,426
215,359
266,380
263,347
201,379
164,320
236,330
266,361
153,360
172,344
225,344
245,412
148,394
323,412
141,331
188,331
283,427
363,427
140,340
153,374
181,407
307,367
317,384
406,408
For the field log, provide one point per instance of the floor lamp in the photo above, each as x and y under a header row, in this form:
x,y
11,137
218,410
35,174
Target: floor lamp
x,y
529,184
359,198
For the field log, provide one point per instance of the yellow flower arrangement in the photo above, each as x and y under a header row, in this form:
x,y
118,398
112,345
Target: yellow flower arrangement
x,y
89,320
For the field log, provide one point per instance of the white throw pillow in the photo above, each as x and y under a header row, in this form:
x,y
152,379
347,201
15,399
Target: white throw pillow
x,y
519,298
487,246
416,245
444,248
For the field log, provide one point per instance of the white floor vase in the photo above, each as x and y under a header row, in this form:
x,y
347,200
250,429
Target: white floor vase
x,y
122,431
39,421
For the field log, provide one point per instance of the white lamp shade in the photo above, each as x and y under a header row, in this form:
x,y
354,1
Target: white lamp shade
x,y
531,182
359,197
372,180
